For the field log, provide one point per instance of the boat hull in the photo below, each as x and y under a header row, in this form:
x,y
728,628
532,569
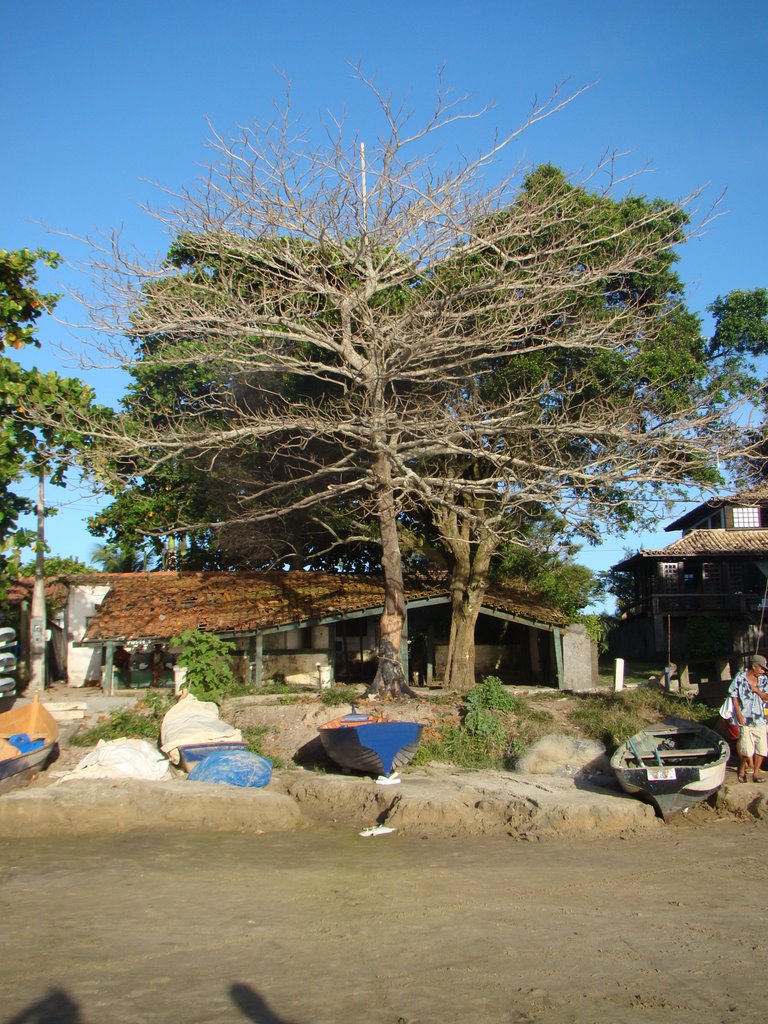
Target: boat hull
x,y
38,723
679,765
18,771
370,745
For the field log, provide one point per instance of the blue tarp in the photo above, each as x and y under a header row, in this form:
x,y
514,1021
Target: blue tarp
x,y
234,768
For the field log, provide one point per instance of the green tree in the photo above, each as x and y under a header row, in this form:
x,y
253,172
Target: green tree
x,y
576,411
27,445
367,335
57,566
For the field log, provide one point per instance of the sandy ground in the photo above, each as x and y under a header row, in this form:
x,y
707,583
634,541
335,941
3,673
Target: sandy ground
x,y
497,899
322,926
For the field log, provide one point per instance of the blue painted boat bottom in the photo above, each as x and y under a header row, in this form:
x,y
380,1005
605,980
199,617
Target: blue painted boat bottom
x,y
376,747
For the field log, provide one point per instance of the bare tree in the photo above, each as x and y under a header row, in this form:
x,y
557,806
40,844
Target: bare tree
x,y
389,333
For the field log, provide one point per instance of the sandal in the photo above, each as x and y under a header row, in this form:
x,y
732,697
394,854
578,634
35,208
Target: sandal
x,y
759,781
742,778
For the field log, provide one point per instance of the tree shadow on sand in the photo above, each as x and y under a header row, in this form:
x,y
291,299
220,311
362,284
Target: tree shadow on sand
x,y
54,1008
252,1006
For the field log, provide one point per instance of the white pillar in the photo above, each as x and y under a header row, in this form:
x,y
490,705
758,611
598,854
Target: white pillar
x,y
618,675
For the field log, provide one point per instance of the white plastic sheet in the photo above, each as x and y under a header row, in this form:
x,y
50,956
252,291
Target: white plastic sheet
x,y
193,721
122,759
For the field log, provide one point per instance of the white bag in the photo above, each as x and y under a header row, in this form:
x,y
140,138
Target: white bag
x,y
726,709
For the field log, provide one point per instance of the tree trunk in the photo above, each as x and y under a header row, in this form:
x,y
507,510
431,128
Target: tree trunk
x,y
469,581
390,677
460,667
37,622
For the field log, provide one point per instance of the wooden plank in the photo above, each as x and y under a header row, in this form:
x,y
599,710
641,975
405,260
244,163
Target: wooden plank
x,y
678,753
689,753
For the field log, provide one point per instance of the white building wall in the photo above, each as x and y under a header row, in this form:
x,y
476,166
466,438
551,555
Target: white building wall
x,y
83,663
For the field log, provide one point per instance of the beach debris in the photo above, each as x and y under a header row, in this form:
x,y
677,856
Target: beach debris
x,y
379,830
389,780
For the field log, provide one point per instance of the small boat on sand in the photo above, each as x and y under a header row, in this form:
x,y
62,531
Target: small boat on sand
x,y
28,738
370,743
672,765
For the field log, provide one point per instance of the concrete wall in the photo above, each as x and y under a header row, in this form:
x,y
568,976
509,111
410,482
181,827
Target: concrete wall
x,y
292,661
579,660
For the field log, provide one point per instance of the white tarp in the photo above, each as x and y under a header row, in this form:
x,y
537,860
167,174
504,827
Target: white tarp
x,y
193,721
121,759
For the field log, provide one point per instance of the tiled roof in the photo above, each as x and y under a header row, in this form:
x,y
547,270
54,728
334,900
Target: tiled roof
x,y
162,604
711,542
56,590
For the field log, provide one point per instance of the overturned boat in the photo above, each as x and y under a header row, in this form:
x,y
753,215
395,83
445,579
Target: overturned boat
x,y
28,738
370,743
672,765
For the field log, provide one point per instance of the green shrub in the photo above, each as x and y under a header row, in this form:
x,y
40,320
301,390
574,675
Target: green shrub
x,y
496,728
490,695
208,660
484,704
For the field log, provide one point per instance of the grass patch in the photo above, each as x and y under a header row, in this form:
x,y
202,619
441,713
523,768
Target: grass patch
x,y
255,736
339,695
452,744
613,717
495,728
140,722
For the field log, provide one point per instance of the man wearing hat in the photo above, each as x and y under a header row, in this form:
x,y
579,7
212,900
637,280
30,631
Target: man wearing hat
x,y
749,692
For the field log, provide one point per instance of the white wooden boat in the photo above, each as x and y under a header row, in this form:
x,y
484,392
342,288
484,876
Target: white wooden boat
x,y
672,765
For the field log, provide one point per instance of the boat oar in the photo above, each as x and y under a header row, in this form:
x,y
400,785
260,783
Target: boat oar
x,y
654,753
636,752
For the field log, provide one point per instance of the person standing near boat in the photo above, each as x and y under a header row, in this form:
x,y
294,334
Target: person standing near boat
x,y
749,692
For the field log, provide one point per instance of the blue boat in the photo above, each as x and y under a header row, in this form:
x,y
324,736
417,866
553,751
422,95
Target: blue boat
x,y
369,743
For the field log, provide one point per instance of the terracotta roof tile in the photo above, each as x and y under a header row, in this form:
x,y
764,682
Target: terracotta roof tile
x,y
162,604
56,590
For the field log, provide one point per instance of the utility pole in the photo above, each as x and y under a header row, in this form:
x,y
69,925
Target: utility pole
x,y
37,623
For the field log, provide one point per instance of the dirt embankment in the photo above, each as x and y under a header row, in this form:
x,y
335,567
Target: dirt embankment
x,y
555,796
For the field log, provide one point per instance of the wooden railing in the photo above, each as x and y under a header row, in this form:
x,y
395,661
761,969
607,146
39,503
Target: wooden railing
x,y
687,603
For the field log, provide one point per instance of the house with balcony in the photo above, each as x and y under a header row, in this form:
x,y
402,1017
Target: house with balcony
x,y
703,597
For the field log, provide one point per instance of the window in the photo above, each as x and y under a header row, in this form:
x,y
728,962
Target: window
x,y
746,518
670,576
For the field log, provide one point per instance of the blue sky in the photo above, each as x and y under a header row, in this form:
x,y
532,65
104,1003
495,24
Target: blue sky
x,y
101,99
